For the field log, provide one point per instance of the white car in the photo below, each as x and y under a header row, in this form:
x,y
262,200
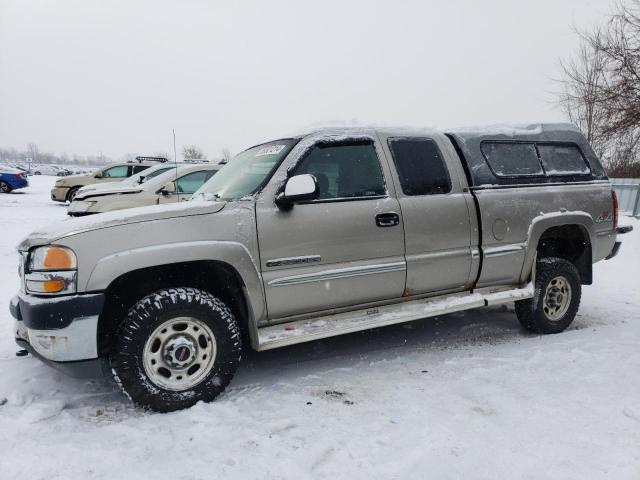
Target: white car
x,y
133,180
46,170
175,185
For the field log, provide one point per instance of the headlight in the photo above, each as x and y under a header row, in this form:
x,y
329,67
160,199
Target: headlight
x,y
52,258
51,270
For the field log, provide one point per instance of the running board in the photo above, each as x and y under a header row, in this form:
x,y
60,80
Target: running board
x,y
340,323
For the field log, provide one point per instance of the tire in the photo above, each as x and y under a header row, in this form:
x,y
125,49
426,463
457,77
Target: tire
x,y
71,194
5,187
171,331
556,297
37,173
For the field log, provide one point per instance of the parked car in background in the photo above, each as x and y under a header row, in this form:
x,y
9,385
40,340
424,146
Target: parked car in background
x,y
175,184
12,179
65,189
52,170
21,167
136,179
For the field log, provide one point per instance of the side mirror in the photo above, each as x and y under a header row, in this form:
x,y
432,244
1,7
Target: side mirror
x,y
98,175
168,188
297,189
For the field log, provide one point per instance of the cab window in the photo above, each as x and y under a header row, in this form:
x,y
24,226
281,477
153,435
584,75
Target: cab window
x,y
193,181
121,171
420,166
344,170
139,168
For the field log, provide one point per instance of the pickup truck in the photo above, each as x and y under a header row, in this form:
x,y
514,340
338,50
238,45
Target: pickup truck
x,y
326,233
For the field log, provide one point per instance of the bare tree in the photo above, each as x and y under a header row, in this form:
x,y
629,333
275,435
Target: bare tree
x,y
191,152
601,88
582,79
226,155
620,46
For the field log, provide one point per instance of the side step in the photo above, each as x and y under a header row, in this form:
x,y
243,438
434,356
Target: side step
x,y
340,323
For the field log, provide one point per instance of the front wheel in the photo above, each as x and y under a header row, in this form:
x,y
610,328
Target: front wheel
x,y
176,347
71,194
555,300
5,187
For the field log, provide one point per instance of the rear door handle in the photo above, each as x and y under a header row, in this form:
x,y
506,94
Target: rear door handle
x,y
390,219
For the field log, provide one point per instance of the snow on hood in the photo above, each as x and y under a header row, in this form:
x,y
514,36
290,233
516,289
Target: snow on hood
x,y
106,189
76,225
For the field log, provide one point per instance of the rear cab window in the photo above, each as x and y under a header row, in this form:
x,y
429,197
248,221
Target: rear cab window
x,y
420,166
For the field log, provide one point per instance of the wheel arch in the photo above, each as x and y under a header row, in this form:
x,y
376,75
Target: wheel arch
x,y
222,268
564,235
71,189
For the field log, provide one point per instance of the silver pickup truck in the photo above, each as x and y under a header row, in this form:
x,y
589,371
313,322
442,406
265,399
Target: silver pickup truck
x,y
322,234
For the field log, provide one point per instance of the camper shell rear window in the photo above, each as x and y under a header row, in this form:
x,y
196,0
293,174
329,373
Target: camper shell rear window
x,y
515,159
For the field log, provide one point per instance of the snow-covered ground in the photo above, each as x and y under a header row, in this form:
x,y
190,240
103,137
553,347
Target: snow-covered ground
x,y
468,395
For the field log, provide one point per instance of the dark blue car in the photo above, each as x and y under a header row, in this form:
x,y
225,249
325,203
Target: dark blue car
x,y
12,179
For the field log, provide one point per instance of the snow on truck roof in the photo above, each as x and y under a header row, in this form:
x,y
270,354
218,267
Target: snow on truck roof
x,y
468,143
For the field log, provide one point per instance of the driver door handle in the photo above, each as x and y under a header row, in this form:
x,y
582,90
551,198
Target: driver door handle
x,y
390,219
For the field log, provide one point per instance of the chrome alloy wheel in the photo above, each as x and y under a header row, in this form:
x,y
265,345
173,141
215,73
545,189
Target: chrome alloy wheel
x,y
179,354
557,298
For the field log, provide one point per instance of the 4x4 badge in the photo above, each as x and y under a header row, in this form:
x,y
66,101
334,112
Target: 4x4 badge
x,y
605,216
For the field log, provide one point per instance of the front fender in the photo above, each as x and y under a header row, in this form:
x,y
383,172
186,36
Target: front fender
x,y
543,222
110,267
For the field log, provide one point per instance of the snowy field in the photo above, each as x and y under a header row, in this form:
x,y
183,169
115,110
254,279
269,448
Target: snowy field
x,y
466,396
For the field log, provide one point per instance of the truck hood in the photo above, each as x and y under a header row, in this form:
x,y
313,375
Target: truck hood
x,y
106,189
71,178
76,225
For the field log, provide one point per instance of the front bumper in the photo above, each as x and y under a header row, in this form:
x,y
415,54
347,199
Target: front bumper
x,y
79,208
62,331
59,194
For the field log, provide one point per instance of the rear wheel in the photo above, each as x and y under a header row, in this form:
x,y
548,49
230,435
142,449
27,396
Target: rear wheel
x,y
556,297
176,347
5,187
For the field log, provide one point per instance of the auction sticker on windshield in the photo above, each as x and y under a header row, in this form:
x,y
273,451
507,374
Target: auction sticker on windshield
x,y
270,150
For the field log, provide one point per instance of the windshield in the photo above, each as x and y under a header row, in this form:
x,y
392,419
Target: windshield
x,y
246,172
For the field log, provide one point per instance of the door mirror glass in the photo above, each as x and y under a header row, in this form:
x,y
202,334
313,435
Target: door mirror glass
x,y
298,188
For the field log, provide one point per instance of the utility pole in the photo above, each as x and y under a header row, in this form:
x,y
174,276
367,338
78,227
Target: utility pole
x,y
175,156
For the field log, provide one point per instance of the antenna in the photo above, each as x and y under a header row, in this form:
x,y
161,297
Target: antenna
x,y
175,155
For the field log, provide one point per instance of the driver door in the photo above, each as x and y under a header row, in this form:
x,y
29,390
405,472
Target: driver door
x,y
344,249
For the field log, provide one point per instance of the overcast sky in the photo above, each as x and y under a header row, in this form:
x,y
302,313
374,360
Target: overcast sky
x,y
116,76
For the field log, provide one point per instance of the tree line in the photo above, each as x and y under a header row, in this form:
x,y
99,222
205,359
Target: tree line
x,y
34,155
601,89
